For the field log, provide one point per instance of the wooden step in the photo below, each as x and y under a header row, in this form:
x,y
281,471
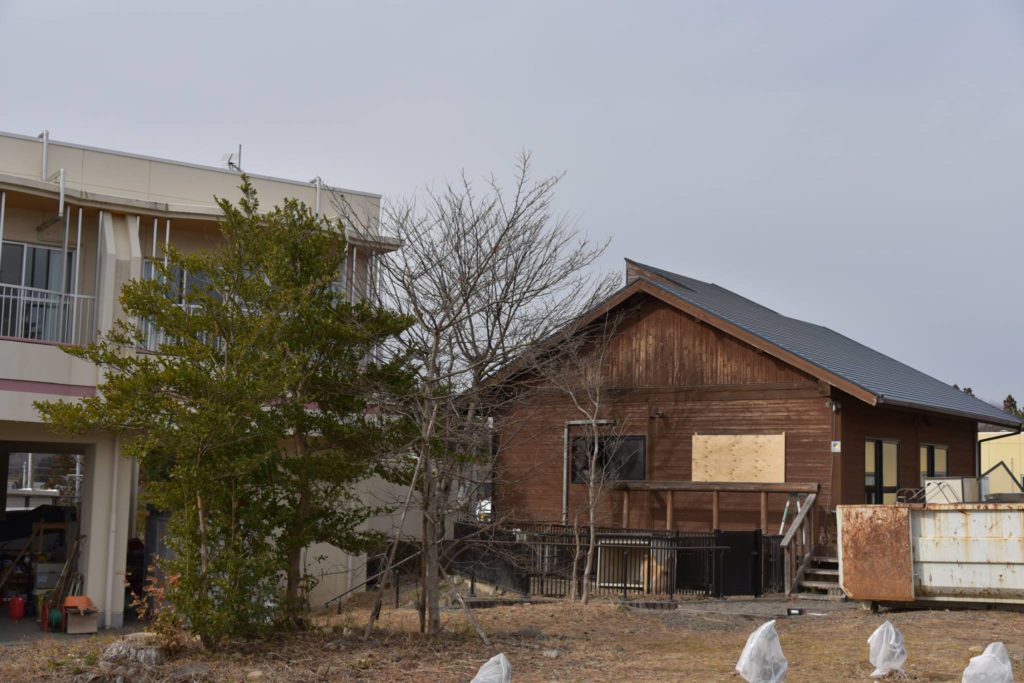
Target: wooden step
x,y
820,570
824,585
825,559
820,596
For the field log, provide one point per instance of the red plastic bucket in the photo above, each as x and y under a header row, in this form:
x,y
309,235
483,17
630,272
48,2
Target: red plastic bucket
x,y
16,608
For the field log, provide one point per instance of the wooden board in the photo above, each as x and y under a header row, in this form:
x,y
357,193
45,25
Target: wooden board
x,y
739,457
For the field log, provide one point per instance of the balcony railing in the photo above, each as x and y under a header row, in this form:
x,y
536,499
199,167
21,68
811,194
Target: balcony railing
x,y
153,337
42,315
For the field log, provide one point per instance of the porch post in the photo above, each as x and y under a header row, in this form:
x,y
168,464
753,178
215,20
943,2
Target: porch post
x,y
714,510
670,510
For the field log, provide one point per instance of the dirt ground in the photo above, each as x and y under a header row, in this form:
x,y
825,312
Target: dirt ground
x,y
698,641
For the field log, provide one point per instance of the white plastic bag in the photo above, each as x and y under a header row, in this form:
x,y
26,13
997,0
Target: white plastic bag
x,y
886,652
497,669
762,660
991,666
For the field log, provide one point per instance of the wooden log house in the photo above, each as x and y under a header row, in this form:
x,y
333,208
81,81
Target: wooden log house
x,y
724,409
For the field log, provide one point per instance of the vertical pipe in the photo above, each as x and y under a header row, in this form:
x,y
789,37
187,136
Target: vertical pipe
x,y
167,239
74,280
156,222
565,474
714,510
46,150
355,272
319,183
61,208
3,207
764,512
63,279
96,284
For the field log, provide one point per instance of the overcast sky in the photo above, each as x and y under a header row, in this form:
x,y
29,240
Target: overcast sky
x,y
860,166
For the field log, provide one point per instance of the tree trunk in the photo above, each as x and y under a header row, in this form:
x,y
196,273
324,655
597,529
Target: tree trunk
x,y
593,481
432,567
293,599
574,574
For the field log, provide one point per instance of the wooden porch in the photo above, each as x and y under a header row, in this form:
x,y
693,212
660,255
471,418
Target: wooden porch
x,y
798,542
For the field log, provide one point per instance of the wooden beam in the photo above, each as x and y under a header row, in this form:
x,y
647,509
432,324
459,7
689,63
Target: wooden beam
x,y
670,511
714,510
722,486
764,512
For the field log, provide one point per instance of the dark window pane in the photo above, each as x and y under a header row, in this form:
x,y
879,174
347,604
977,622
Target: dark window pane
x,y
38,264
10,264
618,458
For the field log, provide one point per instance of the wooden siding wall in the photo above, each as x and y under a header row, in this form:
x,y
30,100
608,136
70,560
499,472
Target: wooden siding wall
x,y
700,380
529,476
658,346
911,429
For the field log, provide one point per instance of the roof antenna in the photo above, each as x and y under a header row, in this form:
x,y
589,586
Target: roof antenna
x,y
233,160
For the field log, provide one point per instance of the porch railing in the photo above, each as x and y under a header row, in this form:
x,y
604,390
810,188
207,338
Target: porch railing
x,y
42,315
153,337
546,559
798,544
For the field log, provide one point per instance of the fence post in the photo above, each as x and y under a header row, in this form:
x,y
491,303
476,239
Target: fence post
x,y
624,555
672,577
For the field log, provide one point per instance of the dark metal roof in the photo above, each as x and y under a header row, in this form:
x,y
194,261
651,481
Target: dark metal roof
x,y
891,381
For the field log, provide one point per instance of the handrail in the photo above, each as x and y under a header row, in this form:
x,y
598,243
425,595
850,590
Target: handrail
x,y
1013,477
798,548
799,519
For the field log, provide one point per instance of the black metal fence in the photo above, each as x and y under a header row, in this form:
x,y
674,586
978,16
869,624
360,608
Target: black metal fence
x,y
773,564
546,559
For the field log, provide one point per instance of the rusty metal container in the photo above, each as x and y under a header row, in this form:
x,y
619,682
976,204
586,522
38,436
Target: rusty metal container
x,y
962,552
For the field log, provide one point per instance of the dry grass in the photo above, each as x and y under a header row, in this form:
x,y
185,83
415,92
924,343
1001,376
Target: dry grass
x,y
601,642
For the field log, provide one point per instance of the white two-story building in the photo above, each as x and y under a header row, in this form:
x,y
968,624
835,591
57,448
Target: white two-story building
x,y
76,223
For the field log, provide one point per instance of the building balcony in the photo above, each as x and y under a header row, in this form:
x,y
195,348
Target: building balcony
x,y
33,314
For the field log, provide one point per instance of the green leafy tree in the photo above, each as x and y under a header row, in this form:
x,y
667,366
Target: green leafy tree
x,y
1010,405
257,414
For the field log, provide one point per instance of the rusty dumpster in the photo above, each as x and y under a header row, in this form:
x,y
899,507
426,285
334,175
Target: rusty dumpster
x,y
961,552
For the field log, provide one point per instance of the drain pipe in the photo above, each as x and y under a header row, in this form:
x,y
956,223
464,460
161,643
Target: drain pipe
x,y
45,135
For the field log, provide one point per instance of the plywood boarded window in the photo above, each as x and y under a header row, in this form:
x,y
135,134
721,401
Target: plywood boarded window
x,y
739,457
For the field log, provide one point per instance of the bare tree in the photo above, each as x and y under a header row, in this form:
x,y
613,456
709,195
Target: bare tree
x,y
484,276
579,369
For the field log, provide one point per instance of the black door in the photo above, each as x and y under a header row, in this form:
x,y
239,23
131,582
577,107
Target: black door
x,y
741,563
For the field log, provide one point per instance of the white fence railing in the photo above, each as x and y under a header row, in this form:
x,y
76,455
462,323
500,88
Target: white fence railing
x,y
153,336
41,315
